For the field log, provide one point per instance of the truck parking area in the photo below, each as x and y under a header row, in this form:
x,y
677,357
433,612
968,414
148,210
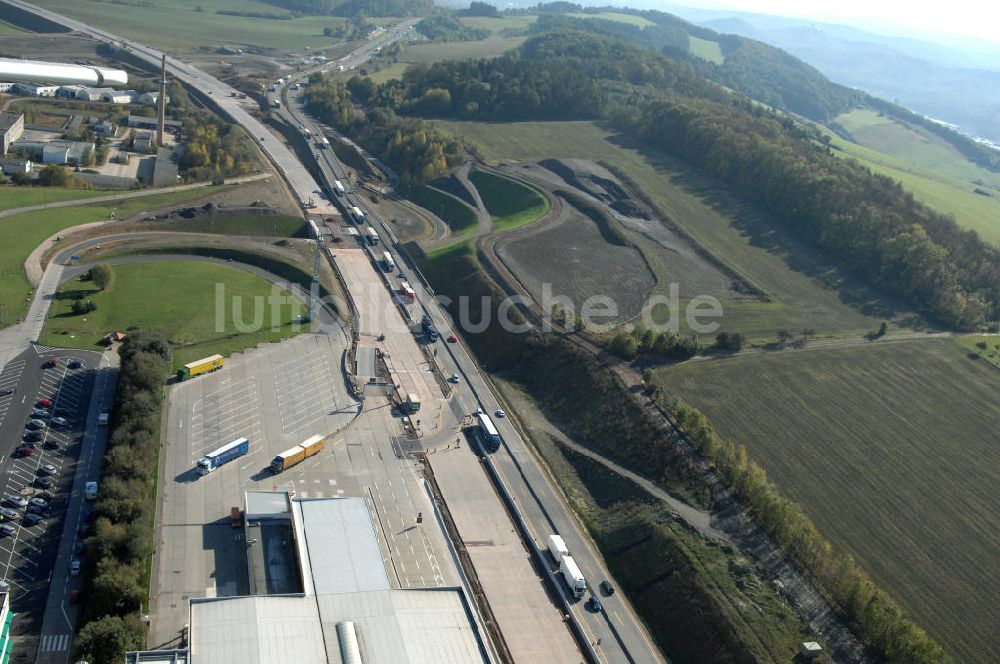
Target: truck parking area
x,y
278,396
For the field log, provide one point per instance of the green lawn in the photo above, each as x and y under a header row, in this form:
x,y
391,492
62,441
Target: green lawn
x,y
273,225
734,236
459,216
706,49
17,197
179,299
176,24
933,171
992,351
891,449
510,203
23,232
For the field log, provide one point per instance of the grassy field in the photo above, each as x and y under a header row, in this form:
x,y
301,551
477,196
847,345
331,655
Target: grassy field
x,y
500,23
12,197
992,351
23,232
802,289
891,450
459,216
437,51
8,29
177,298
630,19
933,171
177,25
511,204
705,49
246,225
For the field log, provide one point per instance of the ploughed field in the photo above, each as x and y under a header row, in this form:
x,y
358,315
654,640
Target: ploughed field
x,y
892,449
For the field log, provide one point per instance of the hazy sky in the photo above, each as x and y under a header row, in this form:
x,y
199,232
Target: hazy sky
x,y
978,18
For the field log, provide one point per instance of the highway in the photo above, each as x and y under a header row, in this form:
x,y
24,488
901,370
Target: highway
x,y
614,634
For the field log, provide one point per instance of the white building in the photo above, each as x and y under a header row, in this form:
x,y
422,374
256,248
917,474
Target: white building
x,y
120,97
68,91
37,89
93,94
6,87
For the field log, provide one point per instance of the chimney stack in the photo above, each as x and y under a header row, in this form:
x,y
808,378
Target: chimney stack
x,y
161,102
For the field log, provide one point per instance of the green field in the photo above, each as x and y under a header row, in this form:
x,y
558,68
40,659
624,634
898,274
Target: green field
x,y
891,449
500,23
176,24
795,280
8,29
459,216
630,19
177,298
17,197
272,225
510,203
23,232
928,167
992,351
706,49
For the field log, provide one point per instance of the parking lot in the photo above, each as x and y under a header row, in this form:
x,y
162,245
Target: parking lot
x,y
277,396
42,415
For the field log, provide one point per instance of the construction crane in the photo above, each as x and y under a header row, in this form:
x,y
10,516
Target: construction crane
x,y
34,71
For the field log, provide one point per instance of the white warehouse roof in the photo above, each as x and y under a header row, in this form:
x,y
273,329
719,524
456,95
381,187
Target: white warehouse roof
x,y
341,546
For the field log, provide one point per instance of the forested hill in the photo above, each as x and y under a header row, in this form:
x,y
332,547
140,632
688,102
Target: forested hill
x,y
759,71
865,221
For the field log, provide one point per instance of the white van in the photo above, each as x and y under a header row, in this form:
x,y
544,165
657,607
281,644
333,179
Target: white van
x,y
90,491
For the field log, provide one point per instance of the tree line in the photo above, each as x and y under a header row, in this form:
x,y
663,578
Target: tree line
x,y
120,545
215,149
864,220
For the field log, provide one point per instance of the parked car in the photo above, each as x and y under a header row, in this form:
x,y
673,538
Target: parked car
x,y
24,451
32,436
51,444
41,502
43,482
6,391
51,363
8,513
32,519
16,501
60,422
7,530
35,509
74,568
47,469
39,414
75,364
35,424
47,496
44,403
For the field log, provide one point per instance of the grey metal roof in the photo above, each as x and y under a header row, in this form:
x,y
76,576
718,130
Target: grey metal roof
x,y
341,547
267,504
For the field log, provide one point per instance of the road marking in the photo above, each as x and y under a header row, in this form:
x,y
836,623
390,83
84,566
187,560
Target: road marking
x,y
55,642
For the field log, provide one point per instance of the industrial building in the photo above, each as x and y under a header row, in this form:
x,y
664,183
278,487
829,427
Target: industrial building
x,y
53,152
321,595
37,89
151,98
142,122
11,128
15,166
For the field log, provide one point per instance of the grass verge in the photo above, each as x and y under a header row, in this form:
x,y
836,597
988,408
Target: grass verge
x,y
510,203
459,216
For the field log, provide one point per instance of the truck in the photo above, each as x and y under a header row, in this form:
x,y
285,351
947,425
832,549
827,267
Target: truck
x,y
223,455
198,367
557,548
338,188
357,214
388,264
406,290
572,575
322,142
276,103
294,455
412,403
490,434
372,236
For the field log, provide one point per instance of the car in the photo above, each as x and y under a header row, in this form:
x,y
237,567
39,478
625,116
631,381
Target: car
x,y
61,412
452,339
39,414
75,364
607,588
47,496
43,482
500,413
32,436
455,378
60,422
36,509
74,568
7,530
32,519
35,424
51,363
16,501
6,392
44,403
47,469
51,444
24,451
8,513
594,604
40,502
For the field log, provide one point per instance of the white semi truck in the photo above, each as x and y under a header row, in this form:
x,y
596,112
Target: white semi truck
x,y
572,575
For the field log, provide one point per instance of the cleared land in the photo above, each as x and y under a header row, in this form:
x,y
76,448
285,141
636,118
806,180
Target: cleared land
x,y
630,19
891,449
190,28
459,216
705,49
437,51
511,204
574,260
804,292
18,197
500,23
23,232
177,298
933,171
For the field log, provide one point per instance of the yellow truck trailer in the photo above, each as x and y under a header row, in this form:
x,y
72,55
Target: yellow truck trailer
x,y
204,365
304,450
313,445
